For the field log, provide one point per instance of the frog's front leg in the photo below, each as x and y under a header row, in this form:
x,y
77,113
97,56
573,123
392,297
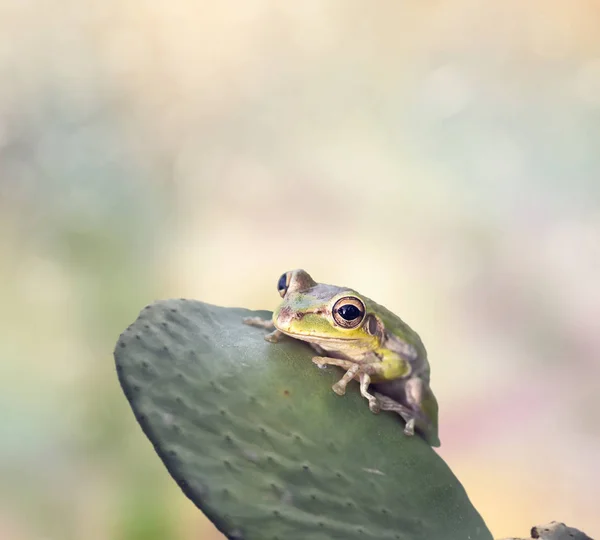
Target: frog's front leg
x,y
340,387
365,381
322,361
353,369
273,336
267,324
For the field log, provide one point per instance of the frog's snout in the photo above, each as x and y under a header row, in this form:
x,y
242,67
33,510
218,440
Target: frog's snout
x,y
284,317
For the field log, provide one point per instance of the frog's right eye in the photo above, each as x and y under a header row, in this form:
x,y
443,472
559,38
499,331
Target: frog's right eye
x,y
348,312
283,283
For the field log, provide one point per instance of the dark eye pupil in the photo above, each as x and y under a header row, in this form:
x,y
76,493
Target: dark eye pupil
x,y
349,312
281,284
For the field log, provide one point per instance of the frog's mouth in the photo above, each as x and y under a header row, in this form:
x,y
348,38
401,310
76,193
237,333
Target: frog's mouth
x,y
317,339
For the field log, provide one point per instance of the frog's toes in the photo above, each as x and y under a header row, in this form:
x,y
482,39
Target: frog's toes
x,y
339,389
258,322
374,406
317,361
409,429
274,336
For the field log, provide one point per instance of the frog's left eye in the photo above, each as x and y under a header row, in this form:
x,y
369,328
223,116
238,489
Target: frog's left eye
x,y
348,312
283,283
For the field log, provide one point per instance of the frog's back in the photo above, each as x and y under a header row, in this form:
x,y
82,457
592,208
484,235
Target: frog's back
x,y
397,326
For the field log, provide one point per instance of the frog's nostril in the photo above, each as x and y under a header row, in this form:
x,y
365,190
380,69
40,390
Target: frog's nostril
x,y
285,314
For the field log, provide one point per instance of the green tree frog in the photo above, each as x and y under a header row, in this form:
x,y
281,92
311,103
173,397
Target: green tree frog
x,y
372,344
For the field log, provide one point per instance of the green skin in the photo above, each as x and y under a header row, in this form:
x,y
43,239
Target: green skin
x,y
376,347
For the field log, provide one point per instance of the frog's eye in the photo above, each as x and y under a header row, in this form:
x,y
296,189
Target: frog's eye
x,y
348,312
283,283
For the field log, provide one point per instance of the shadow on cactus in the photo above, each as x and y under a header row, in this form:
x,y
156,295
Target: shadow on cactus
x,y
254,436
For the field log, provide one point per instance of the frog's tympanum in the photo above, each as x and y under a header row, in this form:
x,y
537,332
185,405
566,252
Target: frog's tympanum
x,y
372,344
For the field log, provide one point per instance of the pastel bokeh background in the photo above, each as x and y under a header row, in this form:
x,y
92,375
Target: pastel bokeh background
x,y
440,157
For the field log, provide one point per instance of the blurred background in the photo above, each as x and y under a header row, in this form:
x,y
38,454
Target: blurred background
x,y
440,157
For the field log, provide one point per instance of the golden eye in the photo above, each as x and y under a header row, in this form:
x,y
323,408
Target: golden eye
x,y
348,312
283,283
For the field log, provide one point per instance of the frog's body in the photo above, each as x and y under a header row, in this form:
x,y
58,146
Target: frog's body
x,y
370,342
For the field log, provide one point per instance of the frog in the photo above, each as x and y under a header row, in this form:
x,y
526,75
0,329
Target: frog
x,y
554,531
557,531
373,345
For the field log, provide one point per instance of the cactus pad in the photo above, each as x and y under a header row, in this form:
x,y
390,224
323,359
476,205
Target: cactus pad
x,y
255,437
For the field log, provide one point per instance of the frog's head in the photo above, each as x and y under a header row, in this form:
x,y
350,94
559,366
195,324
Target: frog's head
x,y
319,313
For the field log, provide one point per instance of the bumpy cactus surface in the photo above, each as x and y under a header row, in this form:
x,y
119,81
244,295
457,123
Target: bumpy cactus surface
x,y
255,437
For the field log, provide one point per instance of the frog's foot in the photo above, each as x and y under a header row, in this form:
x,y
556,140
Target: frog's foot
x,y
408,415
409,428
352,369
319,361
274,337
340,387
365,381
267,324
323,361
374,406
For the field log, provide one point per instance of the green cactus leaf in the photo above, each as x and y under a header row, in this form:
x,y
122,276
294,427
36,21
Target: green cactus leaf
x,y
255,437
